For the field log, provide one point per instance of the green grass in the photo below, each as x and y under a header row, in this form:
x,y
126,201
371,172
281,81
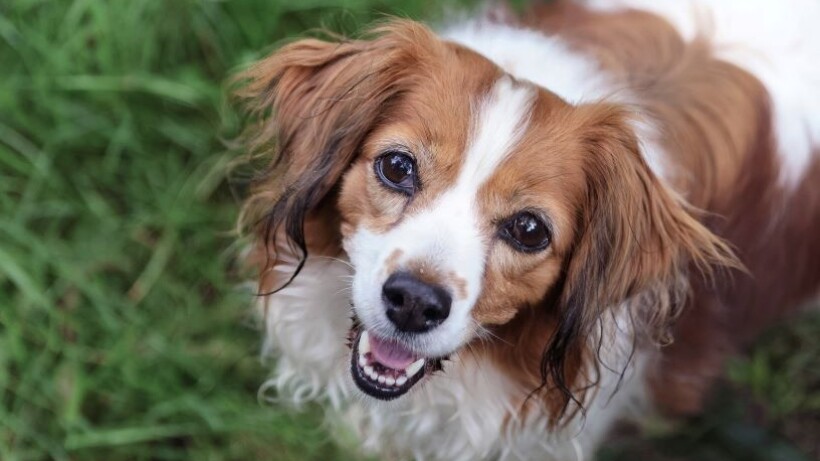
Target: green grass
x,y
124,330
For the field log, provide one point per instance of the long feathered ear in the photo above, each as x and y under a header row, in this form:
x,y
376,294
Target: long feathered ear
x,y
315,101
637,240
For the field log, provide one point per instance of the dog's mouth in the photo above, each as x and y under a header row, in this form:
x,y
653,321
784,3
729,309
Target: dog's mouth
x,y
386,369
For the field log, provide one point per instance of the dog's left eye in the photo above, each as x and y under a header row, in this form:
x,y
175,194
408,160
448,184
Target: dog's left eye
x,y
526,232
397,170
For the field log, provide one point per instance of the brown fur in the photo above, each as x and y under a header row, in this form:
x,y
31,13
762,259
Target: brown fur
x,y
715,123
634,238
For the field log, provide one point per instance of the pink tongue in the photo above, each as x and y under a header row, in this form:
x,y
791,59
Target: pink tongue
x,y
390,354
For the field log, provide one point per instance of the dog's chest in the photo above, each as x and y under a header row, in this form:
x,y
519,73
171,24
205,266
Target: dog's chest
x,y
467,411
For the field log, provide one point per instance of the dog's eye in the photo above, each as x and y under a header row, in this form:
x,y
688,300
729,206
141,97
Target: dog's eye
x,y
397,170
526,232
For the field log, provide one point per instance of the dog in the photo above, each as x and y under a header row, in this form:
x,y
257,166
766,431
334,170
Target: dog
x,y
497,239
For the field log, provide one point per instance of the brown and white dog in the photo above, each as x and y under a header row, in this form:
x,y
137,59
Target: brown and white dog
x,y
494,241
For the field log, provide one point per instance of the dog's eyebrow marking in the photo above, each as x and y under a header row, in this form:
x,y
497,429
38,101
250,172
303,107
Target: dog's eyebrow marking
x,y
503,117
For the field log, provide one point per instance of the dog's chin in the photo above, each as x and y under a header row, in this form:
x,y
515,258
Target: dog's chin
x,y
385,369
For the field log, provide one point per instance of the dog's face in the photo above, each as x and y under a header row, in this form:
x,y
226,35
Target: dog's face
x,y
457,212
463,197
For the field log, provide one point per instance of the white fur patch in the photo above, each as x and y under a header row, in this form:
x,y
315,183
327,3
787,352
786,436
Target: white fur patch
x,y
447,235
778,42
306,327
531,55
502,119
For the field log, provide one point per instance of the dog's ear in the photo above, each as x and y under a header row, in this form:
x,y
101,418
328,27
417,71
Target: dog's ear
x,y
637,239
315,102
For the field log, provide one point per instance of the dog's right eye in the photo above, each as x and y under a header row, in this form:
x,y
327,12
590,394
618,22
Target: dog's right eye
x,y
397,171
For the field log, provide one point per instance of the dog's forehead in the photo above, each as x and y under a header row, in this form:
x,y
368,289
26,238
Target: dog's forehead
x,y
497,124
509,139
500,120
444,112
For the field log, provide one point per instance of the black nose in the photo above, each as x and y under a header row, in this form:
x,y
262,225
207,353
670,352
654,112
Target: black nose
x,y
415,306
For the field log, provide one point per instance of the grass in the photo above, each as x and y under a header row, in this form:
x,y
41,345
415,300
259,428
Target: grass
x,y
124,330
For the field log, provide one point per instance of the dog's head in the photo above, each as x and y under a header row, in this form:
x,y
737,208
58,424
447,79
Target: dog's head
x,y
465,200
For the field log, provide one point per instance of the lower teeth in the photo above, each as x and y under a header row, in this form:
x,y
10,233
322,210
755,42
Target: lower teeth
x,y
369,371
374,375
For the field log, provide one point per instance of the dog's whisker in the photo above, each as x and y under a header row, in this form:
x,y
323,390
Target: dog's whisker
x,y
333,258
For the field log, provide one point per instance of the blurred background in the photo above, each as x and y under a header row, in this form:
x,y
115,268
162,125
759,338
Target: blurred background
x,y
125,331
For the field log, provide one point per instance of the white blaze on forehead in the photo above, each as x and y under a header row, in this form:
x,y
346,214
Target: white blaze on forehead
x,y
502,118
446,236
452,221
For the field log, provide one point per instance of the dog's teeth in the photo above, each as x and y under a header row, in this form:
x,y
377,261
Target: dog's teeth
x,y
414,367
391,381
364,343
401,380
368,370
382,379
362,361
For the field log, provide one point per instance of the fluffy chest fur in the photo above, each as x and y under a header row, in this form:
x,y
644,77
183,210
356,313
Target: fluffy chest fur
x,y
471,411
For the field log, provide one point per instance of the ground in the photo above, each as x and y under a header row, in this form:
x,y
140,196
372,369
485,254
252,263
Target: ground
x,y
124,325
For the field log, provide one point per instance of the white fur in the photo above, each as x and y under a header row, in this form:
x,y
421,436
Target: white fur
x,y
531,55
458,414
306,327
446,236
778,42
